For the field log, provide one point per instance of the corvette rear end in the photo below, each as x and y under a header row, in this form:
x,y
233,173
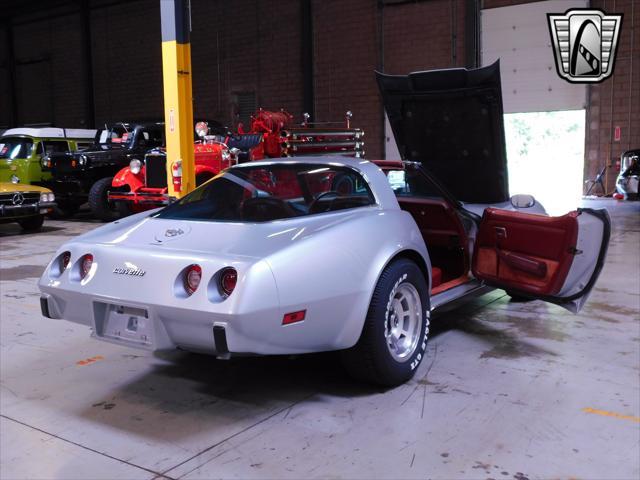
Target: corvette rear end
x,y
158,281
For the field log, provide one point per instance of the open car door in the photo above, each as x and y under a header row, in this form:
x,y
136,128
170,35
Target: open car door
x,y
555,259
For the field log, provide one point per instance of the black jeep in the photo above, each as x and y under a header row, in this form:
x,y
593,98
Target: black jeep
x,y
86,175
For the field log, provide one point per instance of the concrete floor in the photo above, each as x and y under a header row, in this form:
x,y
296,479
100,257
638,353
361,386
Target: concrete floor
x,y
508,391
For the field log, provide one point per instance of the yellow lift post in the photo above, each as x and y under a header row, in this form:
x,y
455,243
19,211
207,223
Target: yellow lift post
x,y
175,17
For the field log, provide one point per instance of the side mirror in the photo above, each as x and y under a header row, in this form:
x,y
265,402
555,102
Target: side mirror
x,y
522,200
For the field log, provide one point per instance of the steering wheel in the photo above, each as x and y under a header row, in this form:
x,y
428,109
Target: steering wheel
x,y
271,208
315,201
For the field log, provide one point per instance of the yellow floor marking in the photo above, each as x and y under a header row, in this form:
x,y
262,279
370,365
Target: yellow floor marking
x,y
606,413
88,361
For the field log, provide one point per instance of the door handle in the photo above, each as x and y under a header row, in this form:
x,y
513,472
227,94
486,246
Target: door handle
x,y
501,233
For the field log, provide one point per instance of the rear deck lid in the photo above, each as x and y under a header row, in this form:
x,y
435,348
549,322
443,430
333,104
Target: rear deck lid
x,y
452,122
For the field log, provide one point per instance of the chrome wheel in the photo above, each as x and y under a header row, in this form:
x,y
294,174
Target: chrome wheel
x,y
403,322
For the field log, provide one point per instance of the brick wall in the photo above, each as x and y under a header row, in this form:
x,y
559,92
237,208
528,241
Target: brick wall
x,y
127,62
245,46
616,101
345,51
5,113
255,46
240,46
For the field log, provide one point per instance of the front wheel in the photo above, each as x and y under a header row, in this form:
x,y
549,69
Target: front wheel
x,y
32,224
394,338
99,201
124,208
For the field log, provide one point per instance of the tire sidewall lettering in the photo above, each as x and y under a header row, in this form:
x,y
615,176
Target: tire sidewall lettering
x,y
419,354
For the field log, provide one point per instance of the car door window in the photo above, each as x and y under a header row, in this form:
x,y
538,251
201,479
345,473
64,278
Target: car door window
x,y
55,146
410,183
154,137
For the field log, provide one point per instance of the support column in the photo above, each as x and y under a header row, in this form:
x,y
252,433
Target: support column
x,y
178,99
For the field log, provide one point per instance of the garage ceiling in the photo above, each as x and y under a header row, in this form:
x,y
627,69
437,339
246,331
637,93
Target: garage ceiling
x,y
519,36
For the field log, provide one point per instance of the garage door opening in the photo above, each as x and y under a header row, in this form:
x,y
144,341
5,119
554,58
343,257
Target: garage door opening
x,y
545,154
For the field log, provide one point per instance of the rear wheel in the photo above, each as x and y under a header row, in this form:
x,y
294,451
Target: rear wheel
x,y
394,337
99,202
31,224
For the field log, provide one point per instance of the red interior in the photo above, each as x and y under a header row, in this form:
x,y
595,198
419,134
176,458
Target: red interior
x,y
436,277
527,252
445,237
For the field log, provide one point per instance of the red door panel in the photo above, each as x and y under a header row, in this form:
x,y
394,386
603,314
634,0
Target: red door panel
x,y
526,252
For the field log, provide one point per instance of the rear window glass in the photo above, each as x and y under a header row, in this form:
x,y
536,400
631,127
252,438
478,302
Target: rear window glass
x,y
15,147
273,192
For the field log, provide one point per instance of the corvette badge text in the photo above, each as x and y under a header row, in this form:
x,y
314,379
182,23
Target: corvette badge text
x,y
584,44
135,272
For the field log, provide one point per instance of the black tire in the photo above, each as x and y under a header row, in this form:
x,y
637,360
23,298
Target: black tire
x,y
98,200
370,359
123,208
31,224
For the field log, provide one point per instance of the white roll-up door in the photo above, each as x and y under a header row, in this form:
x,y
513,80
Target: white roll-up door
x,y
518,35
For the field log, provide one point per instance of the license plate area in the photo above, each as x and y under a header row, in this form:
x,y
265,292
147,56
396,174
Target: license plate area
x,y
124,324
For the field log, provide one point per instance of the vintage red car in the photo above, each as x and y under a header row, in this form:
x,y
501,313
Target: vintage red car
x,y
143,185
146,181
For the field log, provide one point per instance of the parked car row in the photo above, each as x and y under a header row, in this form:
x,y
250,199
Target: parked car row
x,y
122,169
21,154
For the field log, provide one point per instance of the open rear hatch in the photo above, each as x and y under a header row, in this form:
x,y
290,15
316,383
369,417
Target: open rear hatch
x,y
452,122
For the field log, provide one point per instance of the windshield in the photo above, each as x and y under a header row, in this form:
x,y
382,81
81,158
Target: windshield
x,y
15,147
273,192
119,134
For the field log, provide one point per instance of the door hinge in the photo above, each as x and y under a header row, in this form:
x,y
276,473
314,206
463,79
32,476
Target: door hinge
x,y
574,251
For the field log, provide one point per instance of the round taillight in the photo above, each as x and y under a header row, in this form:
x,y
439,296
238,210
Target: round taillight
x,y
192,277
85,265
65,258
228,280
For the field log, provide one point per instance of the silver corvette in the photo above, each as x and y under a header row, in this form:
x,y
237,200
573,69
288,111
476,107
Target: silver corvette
x,y
316,254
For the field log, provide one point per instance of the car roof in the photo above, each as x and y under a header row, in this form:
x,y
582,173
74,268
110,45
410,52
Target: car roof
x,y
371,172
51,132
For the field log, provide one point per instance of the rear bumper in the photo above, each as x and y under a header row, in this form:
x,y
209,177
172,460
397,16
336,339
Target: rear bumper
x,y
158,332
161,328
158,197
218,330
21,211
